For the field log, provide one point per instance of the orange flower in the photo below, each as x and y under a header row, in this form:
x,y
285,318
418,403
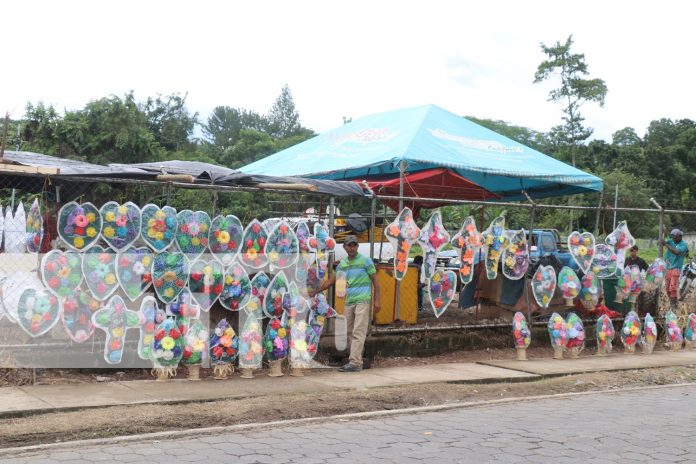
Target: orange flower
x,y
468,254
401,256
465,270
401,266
405,246
394,231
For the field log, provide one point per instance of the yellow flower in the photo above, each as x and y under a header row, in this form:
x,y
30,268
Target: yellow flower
x,y
228,280
204,228
78,242
151,223
169,293
36,318
147,339
281,332
167,343
91,217
320,320
253,306
146,261
195,241
509,261
109,232
110,279
223,237
207,270
159,215
110,216
301,345
91,232
229,332
545,299
159,236
122,209
152,234
117,332
198,345
273,256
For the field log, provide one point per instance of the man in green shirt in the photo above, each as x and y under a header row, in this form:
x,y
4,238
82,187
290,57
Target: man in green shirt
x,y
361,277
676,251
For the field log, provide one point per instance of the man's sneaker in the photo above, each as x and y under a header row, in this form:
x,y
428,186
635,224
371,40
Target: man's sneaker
x,y
349,368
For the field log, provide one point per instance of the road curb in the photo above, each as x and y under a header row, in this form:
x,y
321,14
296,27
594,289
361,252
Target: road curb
x,y
192,433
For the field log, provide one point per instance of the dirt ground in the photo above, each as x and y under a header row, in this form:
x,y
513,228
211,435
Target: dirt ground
x,y
126,420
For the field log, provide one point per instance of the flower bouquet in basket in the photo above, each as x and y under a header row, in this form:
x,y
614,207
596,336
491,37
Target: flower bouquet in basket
x,y
158,226
225,238
673,332
319,312
205,282
521,334
224,346
300,356
630,332
402,234
637,283
250,344
623,286
167,349
468,240
494,238
34,228
605,335
558,334
237,290
516,255
576,335
79,225
195,348
252,254
433,236
690,331
589,291
655,275
275,344
281,247
121,224
649,334
544,285
569,284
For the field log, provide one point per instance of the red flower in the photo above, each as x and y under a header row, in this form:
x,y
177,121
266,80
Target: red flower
x,y
188,351
217,351
158,282
261,241
196,276
235,304
80,230
249,244
180,283
149,327
54,282
147,277
104,258
275,324
184,228
51,266
231,245
217,289
123,261
175,334
204,241
159,335
256,228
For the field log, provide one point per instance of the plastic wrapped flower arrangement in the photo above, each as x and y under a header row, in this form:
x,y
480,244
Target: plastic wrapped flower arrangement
x,y
236,291
589,290
468,241
252,254
605,335
167,349
38,311
516,255
320,310
225,238
322,245
158,226
273,301
576,335
78,308
558,334
61,272
275,344
195,348
630,332
304,259
192,234
621,240
295,307
133,271
544,285
495,240
569,284
402,234
259,286
121,224
441,289
79,225
300,356
115,319
250,344
649,334
184,311
99,268
655,274
34,228
206,282
150,317
673,333
623,286
433,236
604,263
224,348
521,334
637,283
690,331
582,249
281,247
169,275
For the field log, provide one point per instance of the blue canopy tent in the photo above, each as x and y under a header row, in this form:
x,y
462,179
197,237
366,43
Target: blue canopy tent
x,y
427,138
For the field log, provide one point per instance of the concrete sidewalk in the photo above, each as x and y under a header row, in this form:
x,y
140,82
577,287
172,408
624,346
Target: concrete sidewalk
x,y
48,398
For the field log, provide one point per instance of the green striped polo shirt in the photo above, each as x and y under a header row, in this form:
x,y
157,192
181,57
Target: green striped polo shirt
x,y
358,272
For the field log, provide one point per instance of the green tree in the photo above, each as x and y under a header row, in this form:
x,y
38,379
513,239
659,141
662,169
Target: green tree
x,y
574,91
170,121
283,119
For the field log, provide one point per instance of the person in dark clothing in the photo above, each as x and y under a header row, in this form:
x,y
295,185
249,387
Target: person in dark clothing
x,y
635,260
418,261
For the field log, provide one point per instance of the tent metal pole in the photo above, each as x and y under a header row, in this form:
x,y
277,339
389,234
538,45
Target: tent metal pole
x,y
373,205
332,218
397,295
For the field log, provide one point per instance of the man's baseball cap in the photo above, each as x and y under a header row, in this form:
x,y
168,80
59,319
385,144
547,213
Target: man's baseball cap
x,y
676,232
351,239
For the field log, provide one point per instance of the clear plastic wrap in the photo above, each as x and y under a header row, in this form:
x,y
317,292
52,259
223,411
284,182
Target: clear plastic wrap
x,y
250,342
259,286
61,272
441,290
433,236
134,271
79,225
402,234
281,247
630,332
322,245
637,283
275,340
341,284
158,226
516,255
273,301
253,253
168,347
655,274
621,240
558,335
544,285
623,286
294,305
236,290
605,335
115,319
690,331
568,284
206,280
590,290
225,238
320,310
99,269
120,224
649,334
604,263
673,333
224,348
170,272
38,311
195,344
521,334
495,241
150,316
305,257
582,249
34,228
576,335
192,234
76,316
300,356
468,241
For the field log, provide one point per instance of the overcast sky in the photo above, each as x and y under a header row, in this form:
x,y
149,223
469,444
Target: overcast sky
x,y
352,58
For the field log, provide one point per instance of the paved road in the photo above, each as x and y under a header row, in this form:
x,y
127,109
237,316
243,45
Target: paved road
x,y
653,426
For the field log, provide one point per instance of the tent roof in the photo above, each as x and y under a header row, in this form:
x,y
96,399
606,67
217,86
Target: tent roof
x,y
428,137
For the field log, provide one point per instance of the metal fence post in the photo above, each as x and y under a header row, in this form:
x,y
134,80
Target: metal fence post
x,y
661,232
599,212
